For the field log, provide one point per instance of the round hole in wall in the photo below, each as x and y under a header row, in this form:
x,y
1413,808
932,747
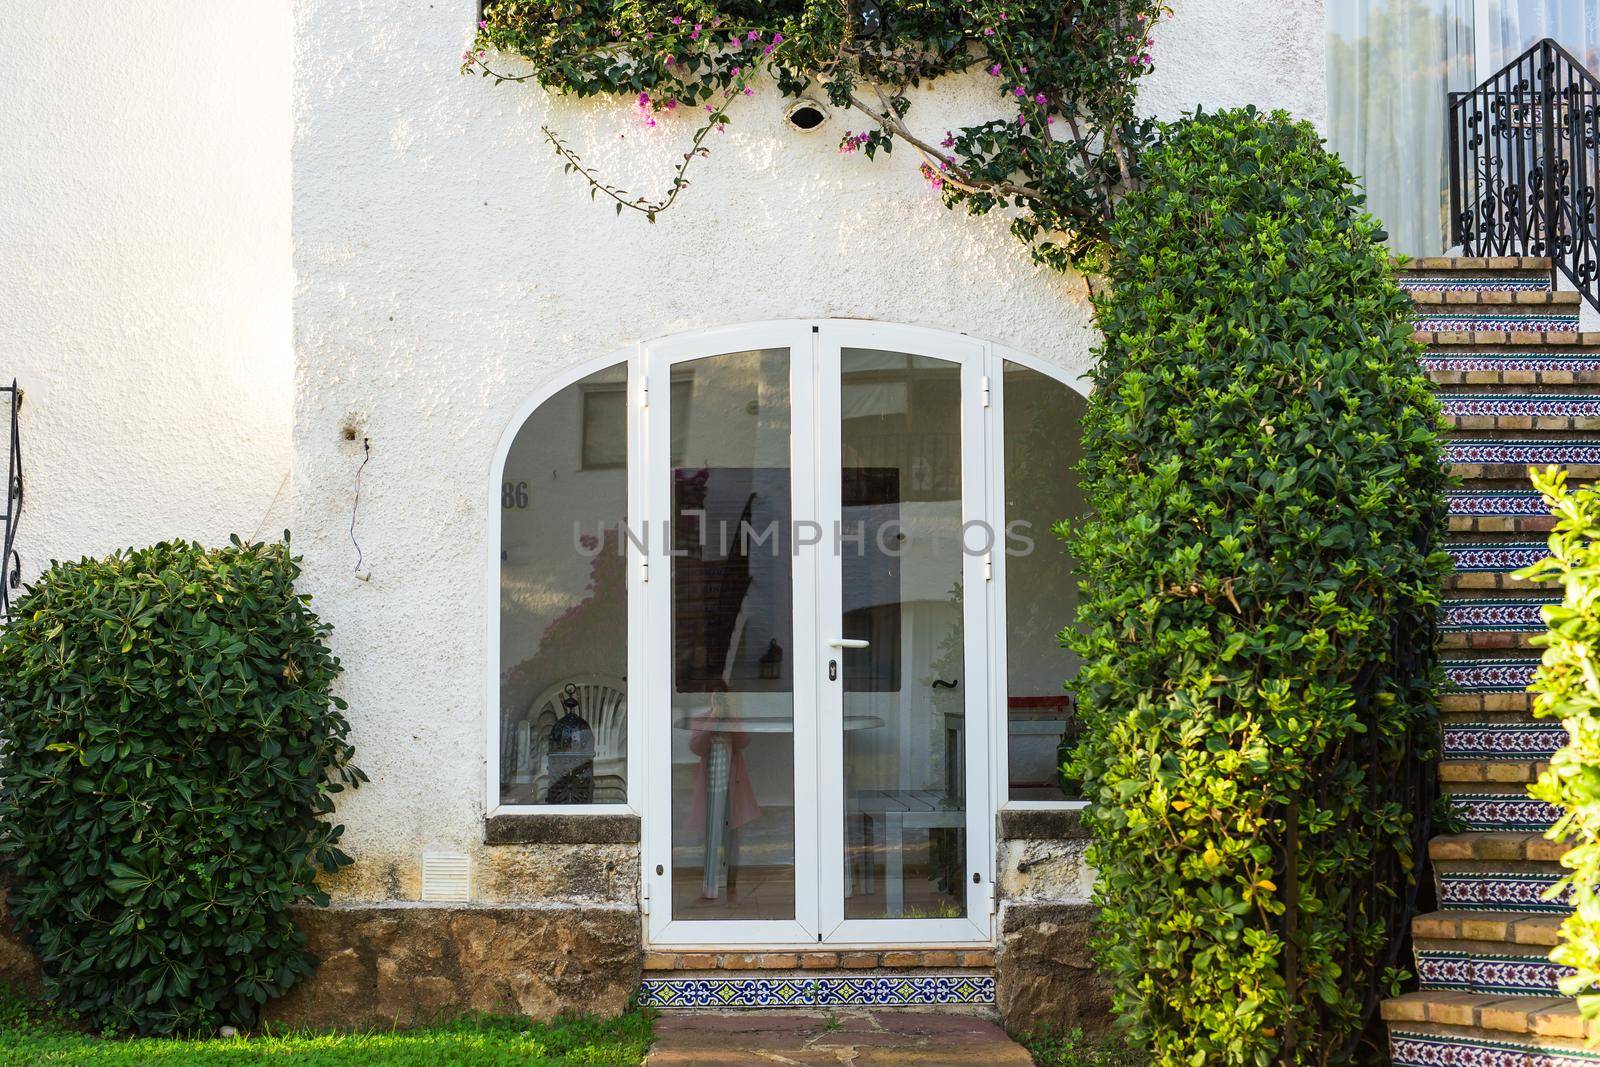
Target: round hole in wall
x,y
805,114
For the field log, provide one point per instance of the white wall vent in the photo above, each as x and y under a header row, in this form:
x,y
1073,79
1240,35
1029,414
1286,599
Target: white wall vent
x,y
446,876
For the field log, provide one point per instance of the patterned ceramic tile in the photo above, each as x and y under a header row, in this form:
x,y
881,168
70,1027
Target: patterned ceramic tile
x,y
1514,740
1482,973
1503,811
1470,361
1496,555
1433,1050
1496,324
1500,891
1522,453
1490,283
1494,616
1490,675
1520,404
782,992
1496,502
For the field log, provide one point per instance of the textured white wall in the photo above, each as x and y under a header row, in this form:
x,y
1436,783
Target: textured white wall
x,y
446,268
145,300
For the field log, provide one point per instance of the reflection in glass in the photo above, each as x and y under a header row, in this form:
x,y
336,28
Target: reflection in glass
x,y
733,845
564,601
1042,426
904,695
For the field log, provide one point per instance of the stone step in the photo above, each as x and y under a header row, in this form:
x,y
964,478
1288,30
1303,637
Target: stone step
x,y
1510,296
1515,412
1499,846
1414,1044
1483,887
1518,369
1495,770
1506,812
1508,338
1502,740
1539,1016
1539,929
1493,264
795,989
1487,967
1509,459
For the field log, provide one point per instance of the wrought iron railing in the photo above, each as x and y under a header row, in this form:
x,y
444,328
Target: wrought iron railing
x,y
1524,156
10,562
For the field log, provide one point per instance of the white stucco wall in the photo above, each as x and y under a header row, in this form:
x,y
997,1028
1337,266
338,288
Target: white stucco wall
x,y
144,183
446,268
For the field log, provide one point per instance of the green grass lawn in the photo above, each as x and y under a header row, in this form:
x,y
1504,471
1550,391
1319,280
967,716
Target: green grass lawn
x,y
29,1036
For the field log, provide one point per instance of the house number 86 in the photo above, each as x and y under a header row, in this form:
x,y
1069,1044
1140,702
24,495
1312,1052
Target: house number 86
x,y
514,495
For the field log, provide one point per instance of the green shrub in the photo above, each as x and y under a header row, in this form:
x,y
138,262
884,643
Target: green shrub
x,y
1257,615
1567,688
170,747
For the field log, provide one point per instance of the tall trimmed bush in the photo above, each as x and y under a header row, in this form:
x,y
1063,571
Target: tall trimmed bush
x,y
169,749
1567,688
1257,613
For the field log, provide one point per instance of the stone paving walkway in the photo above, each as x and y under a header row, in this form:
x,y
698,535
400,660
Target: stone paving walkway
x,y
848,1037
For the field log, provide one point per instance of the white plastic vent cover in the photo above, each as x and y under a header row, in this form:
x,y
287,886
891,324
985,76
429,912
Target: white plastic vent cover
x,y
446,876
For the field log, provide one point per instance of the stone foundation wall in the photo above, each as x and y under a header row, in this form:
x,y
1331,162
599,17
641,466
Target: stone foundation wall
x,y
1044,973
408,964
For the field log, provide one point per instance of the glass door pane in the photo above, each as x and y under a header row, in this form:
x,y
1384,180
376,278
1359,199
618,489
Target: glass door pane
x,y
904,699
732,639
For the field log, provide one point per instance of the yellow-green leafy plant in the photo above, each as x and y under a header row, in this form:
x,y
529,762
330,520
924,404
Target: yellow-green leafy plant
x,y
1567,687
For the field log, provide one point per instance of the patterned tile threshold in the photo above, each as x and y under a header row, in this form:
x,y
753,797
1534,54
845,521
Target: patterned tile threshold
x,y
1471,972
1488,812
1456,283
881,991
1436,1050
1500,891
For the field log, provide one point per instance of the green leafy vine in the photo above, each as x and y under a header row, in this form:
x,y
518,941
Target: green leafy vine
x,y
1062,152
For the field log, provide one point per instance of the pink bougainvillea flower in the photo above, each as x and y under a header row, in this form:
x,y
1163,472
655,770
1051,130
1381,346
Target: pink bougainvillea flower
x,y
994,71
736,71
1040,98
677,20
749,91
670,61
1019,91
694,35
949,139
752,36
777,38
989,32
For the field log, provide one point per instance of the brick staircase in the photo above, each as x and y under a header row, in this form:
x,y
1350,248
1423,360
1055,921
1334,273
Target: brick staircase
x,y
1521,387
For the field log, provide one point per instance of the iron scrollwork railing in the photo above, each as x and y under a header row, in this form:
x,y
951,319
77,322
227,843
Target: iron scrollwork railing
x,y
1524,156
10,562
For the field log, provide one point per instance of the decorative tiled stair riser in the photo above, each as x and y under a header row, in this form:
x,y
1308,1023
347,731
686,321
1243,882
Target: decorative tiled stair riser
x,y
1517,740
1494,616
1496,502
1520,386
1522,453
1470,972
1490,675
879,991
1483,283
1489,556
1435,1050
1500,891
1512,812
1498,324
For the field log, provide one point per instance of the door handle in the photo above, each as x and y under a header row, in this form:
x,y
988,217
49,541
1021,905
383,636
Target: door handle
x,y
849,642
